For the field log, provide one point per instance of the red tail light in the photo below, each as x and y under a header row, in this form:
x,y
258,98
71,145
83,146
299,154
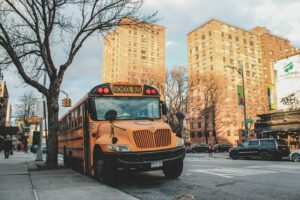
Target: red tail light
x,y
153,91
100,90
106,90
148,91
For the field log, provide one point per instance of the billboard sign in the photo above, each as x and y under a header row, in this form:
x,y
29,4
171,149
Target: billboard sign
x,y
240,94
287,72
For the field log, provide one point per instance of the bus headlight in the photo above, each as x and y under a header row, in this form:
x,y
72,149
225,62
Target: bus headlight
x,y
119,148
180,143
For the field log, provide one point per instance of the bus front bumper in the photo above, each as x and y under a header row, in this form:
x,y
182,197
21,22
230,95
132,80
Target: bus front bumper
x,y
145,160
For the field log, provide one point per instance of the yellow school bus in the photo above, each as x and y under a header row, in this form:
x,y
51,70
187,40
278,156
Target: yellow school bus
x,y
119,126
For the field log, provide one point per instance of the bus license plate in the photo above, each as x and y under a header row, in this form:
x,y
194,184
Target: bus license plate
x,y
156,164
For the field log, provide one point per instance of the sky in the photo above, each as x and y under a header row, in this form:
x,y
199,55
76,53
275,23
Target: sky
x,y
179,17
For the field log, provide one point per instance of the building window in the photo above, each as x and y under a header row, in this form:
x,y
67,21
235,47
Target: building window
x,y
199,124
203,37
199,134
229,36
192,134
228,132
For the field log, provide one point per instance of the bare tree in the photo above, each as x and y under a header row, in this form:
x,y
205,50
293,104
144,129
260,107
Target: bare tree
x,y
27,106
176,94
211,104
31,30
217,98
207,106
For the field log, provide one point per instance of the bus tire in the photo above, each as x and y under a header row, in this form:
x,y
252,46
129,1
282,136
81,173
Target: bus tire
x,y
105,171
173,170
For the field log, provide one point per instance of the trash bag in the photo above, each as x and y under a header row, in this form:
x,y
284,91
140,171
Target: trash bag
x,y
11,152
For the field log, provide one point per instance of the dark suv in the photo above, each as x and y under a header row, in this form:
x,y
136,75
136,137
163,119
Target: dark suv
x,y
200,148
260,148
221,147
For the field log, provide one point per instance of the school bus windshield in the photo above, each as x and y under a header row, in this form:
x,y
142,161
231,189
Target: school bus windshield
x,y
128,108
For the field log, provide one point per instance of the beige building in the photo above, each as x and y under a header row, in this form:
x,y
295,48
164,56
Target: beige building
x,y
213,48
135,54
3,103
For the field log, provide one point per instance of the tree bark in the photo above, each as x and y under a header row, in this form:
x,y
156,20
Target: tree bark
x,y
53,125
214,124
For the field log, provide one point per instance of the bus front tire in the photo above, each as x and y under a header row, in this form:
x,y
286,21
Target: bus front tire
x,y
173,170
105,171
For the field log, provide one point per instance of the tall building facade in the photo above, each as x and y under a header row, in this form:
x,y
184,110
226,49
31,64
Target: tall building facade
x,y
215,48
273,48
135,55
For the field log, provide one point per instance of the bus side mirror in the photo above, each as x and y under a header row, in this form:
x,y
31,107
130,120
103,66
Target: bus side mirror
x,y
164,108
110,115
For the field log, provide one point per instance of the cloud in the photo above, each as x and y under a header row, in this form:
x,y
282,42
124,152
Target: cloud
x,y
171,43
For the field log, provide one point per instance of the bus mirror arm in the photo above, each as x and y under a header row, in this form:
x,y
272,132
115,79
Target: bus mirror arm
x,y
110,116
114,139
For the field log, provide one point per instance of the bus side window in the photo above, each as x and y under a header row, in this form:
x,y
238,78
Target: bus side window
x,y
69,121
79,115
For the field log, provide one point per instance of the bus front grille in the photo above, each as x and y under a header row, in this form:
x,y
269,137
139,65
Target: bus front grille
x,y
147,139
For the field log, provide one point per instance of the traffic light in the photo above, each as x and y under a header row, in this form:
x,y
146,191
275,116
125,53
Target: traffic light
x,y
66,102
69,102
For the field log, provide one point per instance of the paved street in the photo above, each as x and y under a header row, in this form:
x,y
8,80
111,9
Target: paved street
x,y
219,178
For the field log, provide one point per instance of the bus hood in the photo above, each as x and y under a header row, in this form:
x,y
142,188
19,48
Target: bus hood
x,y
140,125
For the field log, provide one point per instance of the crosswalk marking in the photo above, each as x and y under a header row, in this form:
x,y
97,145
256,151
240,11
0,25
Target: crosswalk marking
x,y
227,172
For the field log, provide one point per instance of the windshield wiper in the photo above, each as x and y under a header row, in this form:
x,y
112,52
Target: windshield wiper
x,y
144,118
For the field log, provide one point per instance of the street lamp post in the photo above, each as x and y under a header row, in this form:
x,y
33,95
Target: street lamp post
x,y
39,154
240,70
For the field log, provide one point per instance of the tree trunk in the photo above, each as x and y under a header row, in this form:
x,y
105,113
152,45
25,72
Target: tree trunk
x,y
52,105
214,126
205,129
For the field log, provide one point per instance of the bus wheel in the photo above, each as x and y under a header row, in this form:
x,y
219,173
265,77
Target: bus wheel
x,y
173,170
105,171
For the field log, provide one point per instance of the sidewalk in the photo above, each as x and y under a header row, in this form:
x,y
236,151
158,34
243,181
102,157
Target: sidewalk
x,y
20,179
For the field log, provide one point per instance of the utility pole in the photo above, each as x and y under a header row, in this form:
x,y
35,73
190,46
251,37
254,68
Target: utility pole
x,y
39,154
240,70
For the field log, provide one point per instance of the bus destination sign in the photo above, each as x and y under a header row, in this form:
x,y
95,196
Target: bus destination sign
x,y
129,89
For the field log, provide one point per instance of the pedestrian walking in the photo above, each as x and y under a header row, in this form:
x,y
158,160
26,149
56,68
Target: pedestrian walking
x,y
19,146
210,150
7,147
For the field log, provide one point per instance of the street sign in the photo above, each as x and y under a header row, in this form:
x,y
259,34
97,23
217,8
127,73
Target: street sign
x,y
249,121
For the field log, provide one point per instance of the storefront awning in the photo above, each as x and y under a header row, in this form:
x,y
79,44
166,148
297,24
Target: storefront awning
x,y
10,130
279,128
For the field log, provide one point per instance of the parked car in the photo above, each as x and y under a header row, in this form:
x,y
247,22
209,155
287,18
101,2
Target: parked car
x,y
44,148
34,148
198,148
295,155
221,147
260,148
